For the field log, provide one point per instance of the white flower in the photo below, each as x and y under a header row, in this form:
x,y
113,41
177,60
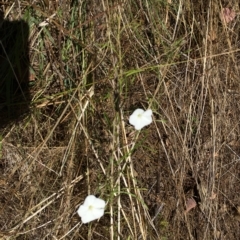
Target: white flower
x,y
92,208
140,118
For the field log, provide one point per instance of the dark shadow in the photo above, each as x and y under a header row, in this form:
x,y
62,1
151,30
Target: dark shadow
x,y
14,70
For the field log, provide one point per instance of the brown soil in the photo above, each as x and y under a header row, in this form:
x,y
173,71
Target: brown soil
x,y
76,140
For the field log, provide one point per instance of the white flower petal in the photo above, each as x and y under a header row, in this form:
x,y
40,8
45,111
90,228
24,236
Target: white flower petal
x,y
138,111
90,215
82,211
146,121
133,119
99,203
148,113
138,125
97,213
140,118
90,199
91,209
135,116
88,218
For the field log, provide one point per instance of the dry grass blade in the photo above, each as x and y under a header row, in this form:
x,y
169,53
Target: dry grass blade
x,y
70,77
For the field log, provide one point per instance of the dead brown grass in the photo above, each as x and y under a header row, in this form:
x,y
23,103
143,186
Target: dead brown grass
x,y
90,67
